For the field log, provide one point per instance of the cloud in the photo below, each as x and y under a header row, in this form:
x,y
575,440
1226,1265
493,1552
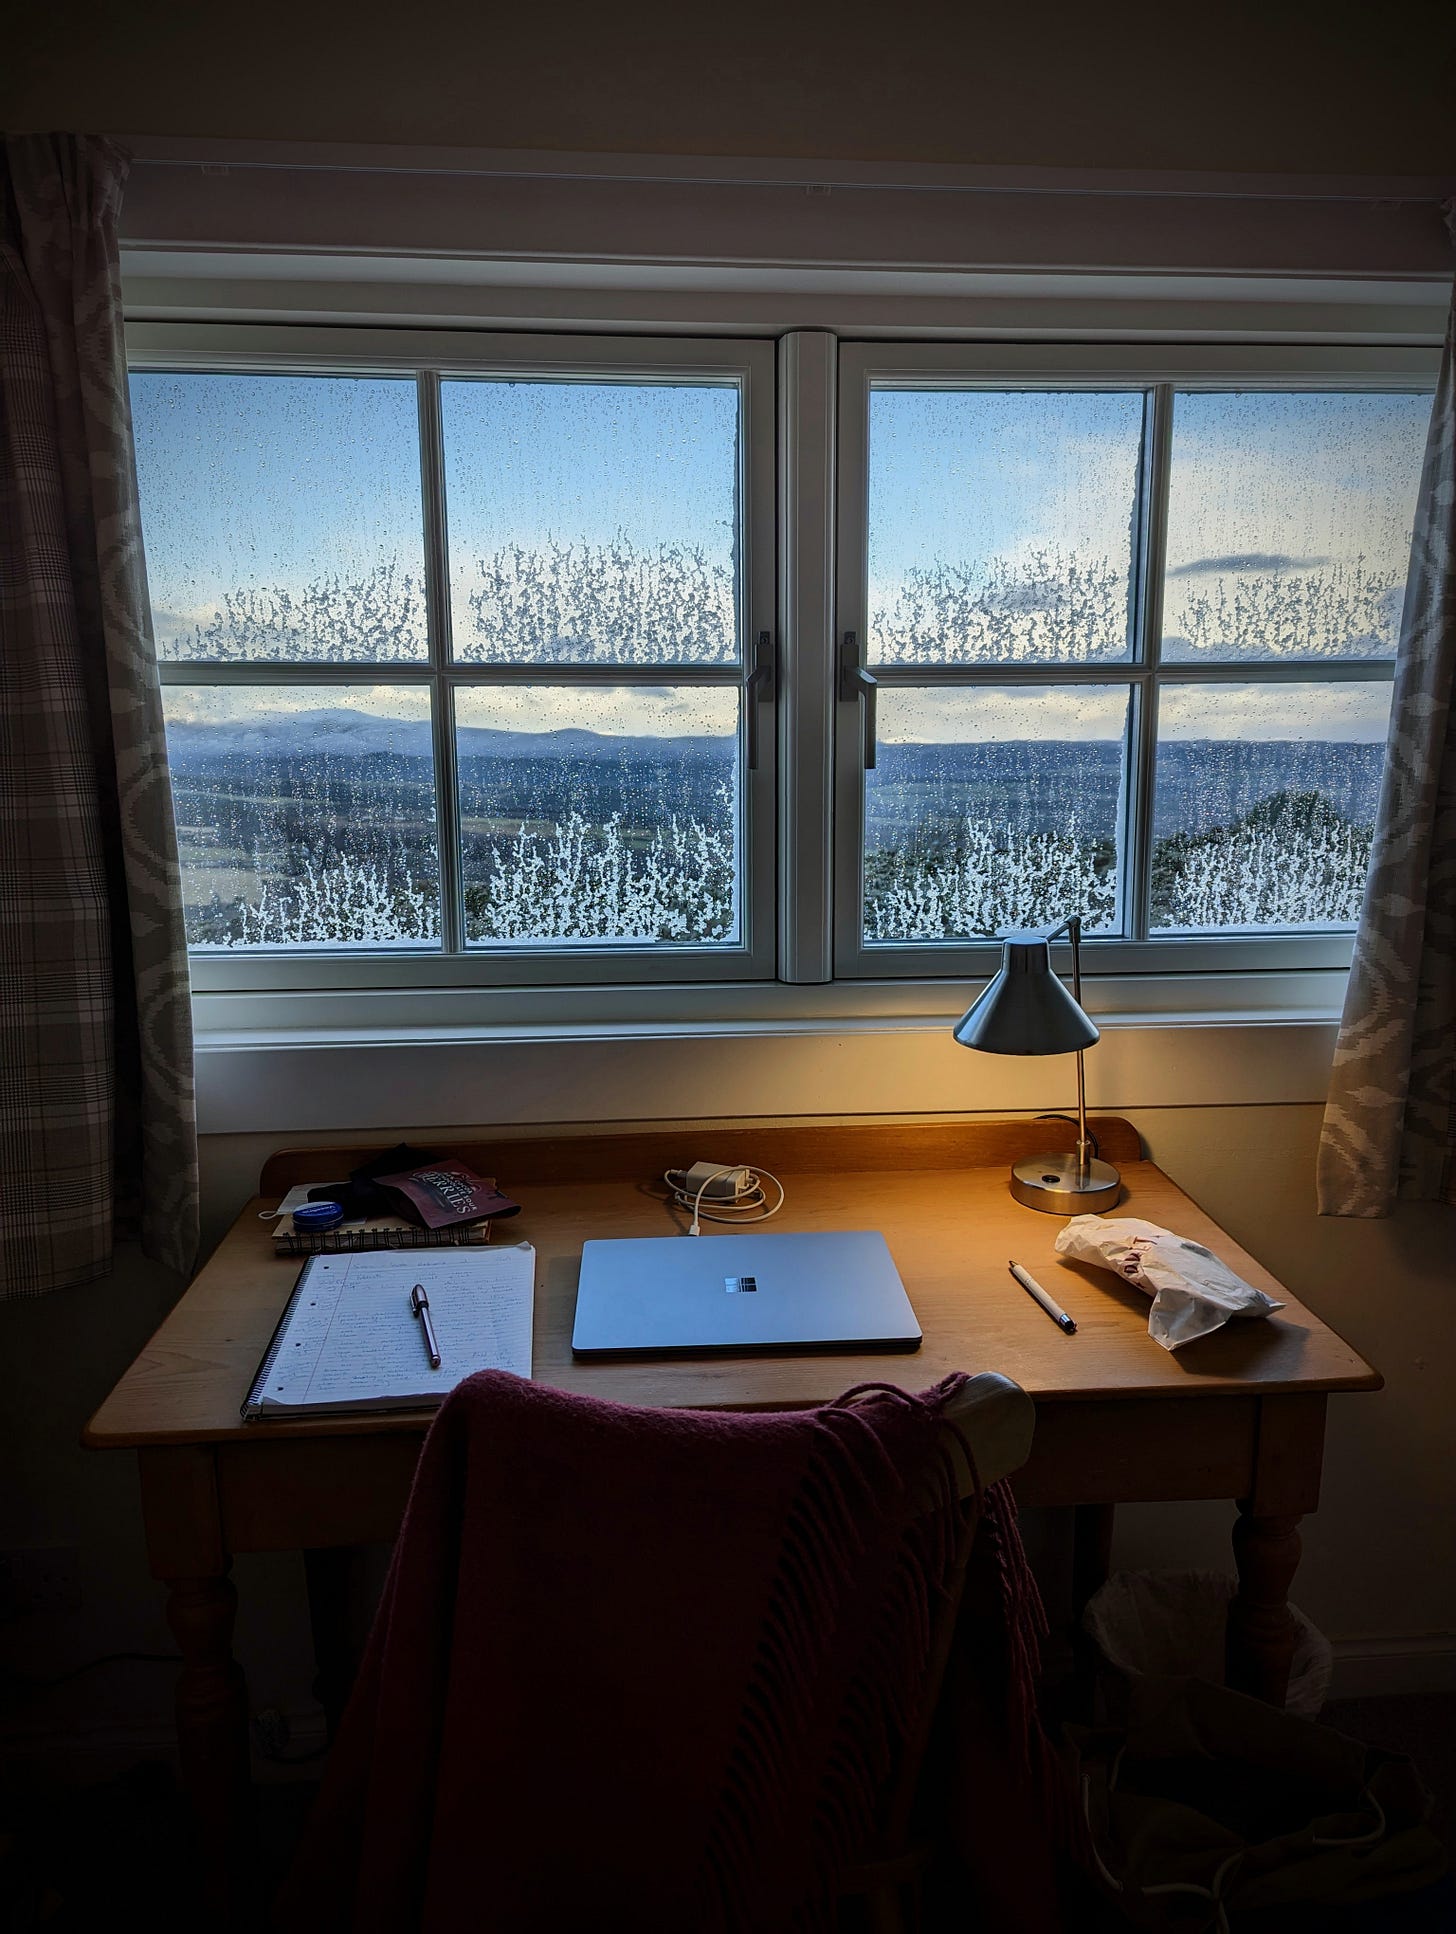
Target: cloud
x,y
1353,713
1247,561
983,714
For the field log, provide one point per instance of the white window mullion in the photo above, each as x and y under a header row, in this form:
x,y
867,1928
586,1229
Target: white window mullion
x,y
442,706
1147,649
807,376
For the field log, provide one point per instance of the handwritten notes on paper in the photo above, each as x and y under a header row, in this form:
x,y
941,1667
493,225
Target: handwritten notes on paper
x,y
350,1340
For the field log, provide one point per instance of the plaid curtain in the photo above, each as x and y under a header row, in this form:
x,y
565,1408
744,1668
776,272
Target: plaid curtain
x,y
97,1135
1390,1121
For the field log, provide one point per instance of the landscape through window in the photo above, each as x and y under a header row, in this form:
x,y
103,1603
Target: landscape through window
x,y
459,664
1006,544
589,524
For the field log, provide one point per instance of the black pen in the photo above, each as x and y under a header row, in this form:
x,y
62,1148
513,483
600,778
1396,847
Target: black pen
x,y
420,1306
1038,1295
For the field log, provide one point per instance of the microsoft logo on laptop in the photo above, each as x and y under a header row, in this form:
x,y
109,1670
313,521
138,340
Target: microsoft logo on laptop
x,y
740,1285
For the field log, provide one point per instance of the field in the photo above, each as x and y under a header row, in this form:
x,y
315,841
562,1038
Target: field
x,y
635,839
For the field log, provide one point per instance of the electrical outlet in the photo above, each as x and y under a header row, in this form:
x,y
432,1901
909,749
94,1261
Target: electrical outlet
x,y
33,1582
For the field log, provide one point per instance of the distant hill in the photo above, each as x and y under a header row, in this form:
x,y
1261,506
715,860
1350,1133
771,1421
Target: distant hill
x,y
340,733
1038,785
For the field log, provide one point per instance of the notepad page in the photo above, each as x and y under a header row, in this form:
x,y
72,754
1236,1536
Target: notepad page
x,y
353,1339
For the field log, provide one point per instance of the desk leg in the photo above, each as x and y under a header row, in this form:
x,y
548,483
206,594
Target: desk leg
x,y
1260,1627
212,1727
1289,1453
186,1544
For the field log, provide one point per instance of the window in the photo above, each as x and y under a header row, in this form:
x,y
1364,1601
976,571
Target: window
x,y
462,665
472,676
1114,647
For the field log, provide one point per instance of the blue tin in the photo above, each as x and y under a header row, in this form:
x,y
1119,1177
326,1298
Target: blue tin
x,y
313,1216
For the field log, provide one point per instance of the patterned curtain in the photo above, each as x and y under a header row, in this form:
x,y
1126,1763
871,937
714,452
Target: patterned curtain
x,y
1390,1122
97,1134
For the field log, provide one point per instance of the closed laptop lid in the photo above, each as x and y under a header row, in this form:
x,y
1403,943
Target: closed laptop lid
x,y
741,1293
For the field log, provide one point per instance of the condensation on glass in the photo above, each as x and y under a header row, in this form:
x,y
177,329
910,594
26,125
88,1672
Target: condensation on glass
x,y
1001,525
593,522
1265,804
995,808
305,815
1289,524
282,517
599,815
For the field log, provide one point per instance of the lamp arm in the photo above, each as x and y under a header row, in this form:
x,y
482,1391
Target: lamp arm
x,y
1072,928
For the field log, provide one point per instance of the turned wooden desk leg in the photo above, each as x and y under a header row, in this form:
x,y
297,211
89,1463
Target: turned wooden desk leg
x,y
1260,1626
212,1722
1289,1452
186,1545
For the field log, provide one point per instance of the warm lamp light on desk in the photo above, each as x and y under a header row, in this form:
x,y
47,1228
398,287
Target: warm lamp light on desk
x,y
1027,1010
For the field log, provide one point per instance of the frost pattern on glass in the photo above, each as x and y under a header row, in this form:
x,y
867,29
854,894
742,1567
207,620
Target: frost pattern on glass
x,y
305,815
1001,525
1289,524
992,809
1265,805
592,523
599,815
282,517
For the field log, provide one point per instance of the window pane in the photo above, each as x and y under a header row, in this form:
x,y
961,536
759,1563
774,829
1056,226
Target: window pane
x,y
592,523
1289,524
992,809
1266,798
305,814
282,517
1000,525
594,814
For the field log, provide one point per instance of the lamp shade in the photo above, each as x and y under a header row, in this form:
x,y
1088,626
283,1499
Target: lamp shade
x,y
1025,1009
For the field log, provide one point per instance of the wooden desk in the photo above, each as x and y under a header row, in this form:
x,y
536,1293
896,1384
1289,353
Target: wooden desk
x,y
1239,1415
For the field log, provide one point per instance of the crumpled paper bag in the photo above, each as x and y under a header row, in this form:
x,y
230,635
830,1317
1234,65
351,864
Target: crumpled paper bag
x,y
1193,1292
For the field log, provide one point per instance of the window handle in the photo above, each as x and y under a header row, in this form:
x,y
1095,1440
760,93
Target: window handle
x,y
856,683
758,689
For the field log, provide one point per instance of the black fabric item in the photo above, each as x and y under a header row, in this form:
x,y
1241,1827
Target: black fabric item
x,y
361,1194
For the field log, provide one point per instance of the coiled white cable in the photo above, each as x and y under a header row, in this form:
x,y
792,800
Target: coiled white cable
x,y
749,1205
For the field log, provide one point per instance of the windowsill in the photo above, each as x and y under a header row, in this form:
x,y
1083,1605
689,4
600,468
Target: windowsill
x,y
266,1063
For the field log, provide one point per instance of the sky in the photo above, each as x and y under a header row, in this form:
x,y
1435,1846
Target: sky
x,y
266,481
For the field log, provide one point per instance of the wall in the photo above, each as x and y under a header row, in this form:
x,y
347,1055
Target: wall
x,y
1258,85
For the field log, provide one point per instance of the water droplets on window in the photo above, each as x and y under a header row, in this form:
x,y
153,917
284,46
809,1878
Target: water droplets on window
x,y
283,517
1289,524
1001,525
593,523
612,825
305,815
994,808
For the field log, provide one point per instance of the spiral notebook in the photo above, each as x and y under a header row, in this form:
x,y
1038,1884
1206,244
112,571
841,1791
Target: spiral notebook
x,y
349,1339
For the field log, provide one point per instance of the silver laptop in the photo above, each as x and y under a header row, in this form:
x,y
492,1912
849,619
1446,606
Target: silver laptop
x,y
742,1294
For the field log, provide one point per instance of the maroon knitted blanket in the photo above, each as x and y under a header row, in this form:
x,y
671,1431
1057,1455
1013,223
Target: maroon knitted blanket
x,y
643,1669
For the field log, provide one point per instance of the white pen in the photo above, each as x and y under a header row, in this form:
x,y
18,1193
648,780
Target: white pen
x,y
1034,1289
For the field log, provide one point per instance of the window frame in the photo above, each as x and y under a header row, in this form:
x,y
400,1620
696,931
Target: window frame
x,y
430,357
1158,372
803,473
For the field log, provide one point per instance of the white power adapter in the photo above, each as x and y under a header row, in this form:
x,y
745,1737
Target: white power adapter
x,y
736,1193
718,1183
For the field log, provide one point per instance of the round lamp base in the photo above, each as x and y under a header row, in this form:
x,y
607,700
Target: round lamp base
x,y
1052,1183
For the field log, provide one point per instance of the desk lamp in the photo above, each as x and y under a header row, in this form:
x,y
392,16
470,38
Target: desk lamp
x,y
1027,1010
